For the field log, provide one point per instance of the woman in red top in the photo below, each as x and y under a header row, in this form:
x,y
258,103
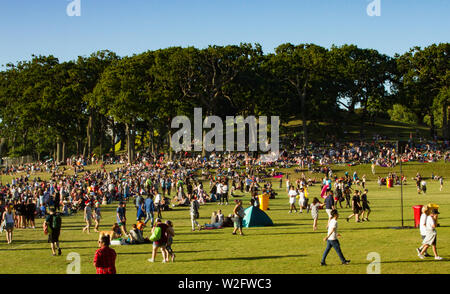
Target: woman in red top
x,y
105,258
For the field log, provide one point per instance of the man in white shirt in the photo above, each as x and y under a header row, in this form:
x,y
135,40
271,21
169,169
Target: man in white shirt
x,y
430,235
422,227
158,205
332,239
219,192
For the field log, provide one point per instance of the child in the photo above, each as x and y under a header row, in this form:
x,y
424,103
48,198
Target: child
x,y
292,196
423,185
315,211
171,234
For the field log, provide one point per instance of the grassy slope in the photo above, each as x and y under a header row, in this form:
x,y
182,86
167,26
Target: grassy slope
x,y
288,247
383,127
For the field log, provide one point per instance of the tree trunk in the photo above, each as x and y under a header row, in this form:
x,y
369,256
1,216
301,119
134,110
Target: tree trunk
x,y
445,130
170,144
89,136
130,142
123,138
63,152
432,126
142,147
101,138
58,150
152,143
113,143
304,120
85,149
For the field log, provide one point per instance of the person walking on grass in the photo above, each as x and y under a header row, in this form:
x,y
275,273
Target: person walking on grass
x,y
161,242
121,217
88,217
8,223
430,235
149,209
441,183
302,201
195,206
422,228
52,226
170,235
225,192
356,207
332,239
105,258
292,197
329,204
365,206
97,216
423,186
314,207
239,215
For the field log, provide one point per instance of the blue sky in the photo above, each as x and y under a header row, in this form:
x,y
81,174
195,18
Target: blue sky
x,y
134,26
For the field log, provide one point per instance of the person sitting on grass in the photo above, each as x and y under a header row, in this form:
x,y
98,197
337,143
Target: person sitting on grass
x,y
217,220
135,236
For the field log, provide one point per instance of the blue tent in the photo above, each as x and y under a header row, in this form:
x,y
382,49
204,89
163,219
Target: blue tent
x,y
255,217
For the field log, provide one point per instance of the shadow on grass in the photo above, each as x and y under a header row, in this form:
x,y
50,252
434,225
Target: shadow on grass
x,y
245,258
404,261
368,228
150,252
293,233
289,225
46,248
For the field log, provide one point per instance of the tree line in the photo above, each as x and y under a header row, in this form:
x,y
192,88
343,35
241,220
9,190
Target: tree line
x,y
52,108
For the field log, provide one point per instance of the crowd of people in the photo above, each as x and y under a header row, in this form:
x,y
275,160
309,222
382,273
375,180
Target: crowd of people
x,y
153,184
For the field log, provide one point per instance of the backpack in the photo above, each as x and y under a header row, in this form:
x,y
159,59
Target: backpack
x,y
156,235
56,222
45,227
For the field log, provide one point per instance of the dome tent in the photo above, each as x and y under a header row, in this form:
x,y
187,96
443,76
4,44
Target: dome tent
x,y
255,217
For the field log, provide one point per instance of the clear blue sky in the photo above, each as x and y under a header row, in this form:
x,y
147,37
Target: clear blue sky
x,y
133,26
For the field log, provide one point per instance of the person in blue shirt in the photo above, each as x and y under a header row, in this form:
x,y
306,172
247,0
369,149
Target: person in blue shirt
x,y
43,210
149,209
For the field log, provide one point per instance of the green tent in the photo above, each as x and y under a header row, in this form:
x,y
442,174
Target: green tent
x,y
255,217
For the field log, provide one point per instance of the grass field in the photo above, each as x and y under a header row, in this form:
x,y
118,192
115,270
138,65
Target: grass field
x,y
289,247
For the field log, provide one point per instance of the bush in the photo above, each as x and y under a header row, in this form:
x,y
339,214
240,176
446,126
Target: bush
x,y
403,114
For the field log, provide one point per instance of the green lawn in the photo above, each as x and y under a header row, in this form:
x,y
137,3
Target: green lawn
x,y
289,247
